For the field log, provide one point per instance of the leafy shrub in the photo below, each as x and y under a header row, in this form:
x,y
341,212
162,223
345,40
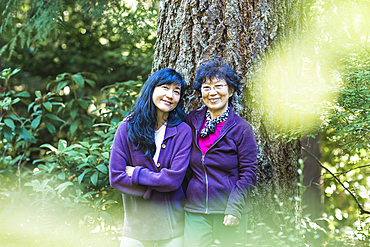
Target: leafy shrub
x,y
54,162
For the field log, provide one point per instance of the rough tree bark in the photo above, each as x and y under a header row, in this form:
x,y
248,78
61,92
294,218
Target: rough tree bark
x,y
243,33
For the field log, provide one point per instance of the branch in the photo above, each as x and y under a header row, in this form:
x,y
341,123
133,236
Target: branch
x,y
358,167
363,211
311,182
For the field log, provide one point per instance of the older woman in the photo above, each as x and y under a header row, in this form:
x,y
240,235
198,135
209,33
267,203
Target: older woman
x,y
222,161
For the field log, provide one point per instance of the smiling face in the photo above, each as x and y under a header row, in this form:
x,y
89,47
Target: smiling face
x,y
165,98
215,95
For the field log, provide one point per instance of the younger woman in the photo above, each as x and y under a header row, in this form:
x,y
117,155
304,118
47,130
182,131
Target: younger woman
x,y
149,158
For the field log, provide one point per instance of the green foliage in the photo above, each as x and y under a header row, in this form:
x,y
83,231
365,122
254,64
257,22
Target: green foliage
x,y
107,38
116,106
69,183
37,19
295,230
346,145
343,28
56,128
75,108
351,167
350,116
76,177
25,19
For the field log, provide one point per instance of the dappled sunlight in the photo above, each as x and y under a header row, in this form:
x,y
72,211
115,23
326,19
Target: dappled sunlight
x,y
300,81
45,227
297,88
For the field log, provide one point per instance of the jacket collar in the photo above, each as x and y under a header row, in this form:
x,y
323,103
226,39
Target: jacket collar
x,y
170,132
200,117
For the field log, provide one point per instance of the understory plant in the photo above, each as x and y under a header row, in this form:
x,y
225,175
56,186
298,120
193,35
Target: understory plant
x,y
54,160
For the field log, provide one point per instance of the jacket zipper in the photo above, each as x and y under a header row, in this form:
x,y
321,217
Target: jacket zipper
x,y
205,172
204,167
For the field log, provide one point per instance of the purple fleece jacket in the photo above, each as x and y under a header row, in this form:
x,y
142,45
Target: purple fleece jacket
x,y
221,178
153,198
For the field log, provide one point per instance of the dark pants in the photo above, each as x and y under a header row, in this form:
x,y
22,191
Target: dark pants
x,y
205,230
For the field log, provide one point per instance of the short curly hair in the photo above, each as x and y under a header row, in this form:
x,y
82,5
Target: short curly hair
x,y
217,69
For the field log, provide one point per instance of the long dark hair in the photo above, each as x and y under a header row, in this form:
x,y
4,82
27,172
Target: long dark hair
x,y
143,118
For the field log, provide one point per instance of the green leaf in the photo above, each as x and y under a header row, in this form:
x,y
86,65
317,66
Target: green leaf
x,y
36,122
75,126
14,117
61,85
54,117
2,51
85,144
50,127
81,176
5,73
69,104
62,144
105,155
83,165
94,178
62,175
102,168
106,216
87,122
78,79
63,186
74,112
25,135
73,153
9,123
15,71
8,134
90,82
109,202
16,100
61,77
48,106
35,107
49,147
90,194
23,94
38,94
83,103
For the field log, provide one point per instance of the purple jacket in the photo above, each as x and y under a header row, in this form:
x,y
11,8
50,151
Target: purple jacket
x,y
153,198
221,178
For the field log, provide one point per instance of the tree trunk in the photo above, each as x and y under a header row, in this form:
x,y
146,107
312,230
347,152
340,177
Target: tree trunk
x,y
242,33
313,196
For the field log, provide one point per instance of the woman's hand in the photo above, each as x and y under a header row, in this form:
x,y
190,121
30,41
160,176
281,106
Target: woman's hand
x,y
230,220
130,170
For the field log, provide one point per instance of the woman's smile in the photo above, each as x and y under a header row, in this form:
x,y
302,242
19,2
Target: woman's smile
x,y
165,98
214,100
167,102
215,95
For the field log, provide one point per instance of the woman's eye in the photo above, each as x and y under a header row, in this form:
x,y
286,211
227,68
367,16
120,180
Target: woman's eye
x,y
165,86
177,92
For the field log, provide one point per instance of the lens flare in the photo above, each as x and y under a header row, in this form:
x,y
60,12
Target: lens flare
x,y
300,78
